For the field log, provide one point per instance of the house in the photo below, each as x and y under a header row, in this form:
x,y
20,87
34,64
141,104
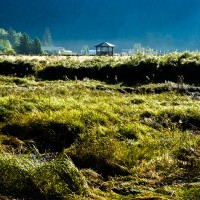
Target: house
x,y
57,50
126,52
90,52
104,48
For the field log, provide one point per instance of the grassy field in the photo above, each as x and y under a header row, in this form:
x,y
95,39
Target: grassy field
x,y
94,139
129,70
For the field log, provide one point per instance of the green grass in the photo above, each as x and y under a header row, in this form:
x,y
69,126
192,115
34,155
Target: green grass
x,y
25,177
139,142
131,70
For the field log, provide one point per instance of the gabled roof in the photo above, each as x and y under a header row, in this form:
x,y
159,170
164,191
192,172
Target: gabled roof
x,y
105,44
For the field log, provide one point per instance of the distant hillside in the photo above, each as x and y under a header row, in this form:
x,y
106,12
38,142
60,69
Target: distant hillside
x,y
160,24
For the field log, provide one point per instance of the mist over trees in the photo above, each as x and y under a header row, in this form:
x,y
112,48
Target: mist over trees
x,y
47,38
12,42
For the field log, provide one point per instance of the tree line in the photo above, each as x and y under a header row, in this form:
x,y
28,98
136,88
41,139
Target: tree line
x,y
12,42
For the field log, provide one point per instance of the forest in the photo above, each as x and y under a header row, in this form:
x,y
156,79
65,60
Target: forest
x,y
12,42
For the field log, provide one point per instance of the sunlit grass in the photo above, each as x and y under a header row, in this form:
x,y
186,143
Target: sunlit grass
x,y
132,139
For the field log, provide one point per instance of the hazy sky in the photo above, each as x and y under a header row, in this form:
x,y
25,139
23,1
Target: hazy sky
x,y
161,24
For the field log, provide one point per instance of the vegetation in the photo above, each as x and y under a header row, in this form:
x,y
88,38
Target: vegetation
x,y
47,38
94,137
12,42
6,47
29,47
10,36
138,68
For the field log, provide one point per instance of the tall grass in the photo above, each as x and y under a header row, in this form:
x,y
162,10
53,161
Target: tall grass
x,y
138,68
143,141
23,177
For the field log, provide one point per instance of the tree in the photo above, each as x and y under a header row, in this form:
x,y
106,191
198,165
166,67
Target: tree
x,y
7,44
10,52
138,48
3,34
6,47
85,50
24,46
36,47
2,48
47,38
13,37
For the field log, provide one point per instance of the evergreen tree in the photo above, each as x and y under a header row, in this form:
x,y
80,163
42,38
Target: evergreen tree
x,y
138,48
24,46
3,34
36,48
85,50
13,37
47,38
6,47
2,48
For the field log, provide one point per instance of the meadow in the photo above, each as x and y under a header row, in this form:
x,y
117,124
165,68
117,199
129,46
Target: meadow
x,y
100,127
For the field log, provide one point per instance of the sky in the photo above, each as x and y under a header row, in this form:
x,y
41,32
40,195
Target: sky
x,y
159,24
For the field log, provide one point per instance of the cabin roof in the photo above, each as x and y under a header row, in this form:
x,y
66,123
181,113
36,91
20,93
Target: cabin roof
x,y
105,44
